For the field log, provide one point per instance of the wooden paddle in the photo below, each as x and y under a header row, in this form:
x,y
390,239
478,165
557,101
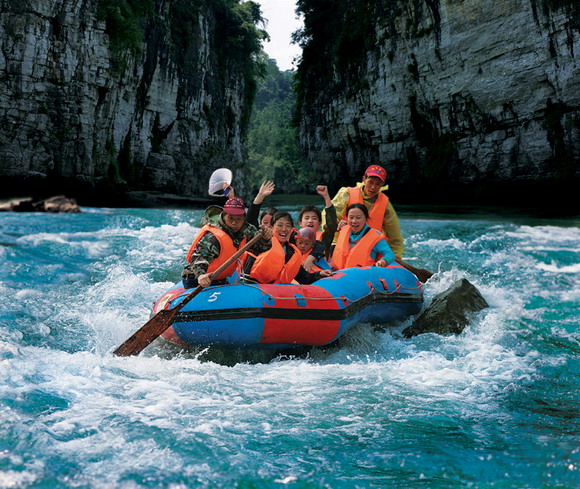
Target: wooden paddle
x,y
151,330
422,274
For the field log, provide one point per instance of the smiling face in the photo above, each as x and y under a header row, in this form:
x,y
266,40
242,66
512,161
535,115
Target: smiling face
x,y
282,229
356,219
372,185
234,222
310,220
304,245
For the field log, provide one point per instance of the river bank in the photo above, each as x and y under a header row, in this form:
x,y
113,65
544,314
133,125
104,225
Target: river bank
x,y
548,198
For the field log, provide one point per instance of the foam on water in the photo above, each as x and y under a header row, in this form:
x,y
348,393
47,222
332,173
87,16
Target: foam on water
x,y
117,410
553,267
379,410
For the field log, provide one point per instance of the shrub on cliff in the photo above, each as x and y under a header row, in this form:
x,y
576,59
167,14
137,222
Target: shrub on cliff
x,y
273,144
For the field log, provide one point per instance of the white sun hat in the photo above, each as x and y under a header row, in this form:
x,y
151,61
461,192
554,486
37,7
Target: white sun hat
x,y
217,180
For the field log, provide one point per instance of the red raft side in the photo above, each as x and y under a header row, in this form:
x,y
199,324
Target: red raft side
x,y
164,302
286,331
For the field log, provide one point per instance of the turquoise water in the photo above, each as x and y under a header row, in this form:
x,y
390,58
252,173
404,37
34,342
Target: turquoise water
x,y
497,406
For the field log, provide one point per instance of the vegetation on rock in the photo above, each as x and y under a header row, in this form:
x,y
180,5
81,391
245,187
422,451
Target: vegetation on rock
x,y
273,147
125,21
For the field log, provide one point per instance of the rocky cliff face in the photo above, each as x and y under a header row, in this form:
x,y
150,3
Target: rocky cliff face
x,y
77,105
461,92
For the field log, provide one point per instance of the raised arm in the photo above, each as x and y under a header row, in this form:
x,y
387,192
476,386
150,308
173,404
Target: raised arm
x,y
266,190
322,190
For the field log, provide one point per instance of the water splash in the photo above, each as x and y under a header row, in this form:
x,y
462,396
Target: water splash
x,y
376,410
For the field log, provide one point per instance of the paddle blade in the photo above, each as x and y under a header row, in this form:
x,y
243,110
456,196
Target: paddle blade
x,y
147,333
163,319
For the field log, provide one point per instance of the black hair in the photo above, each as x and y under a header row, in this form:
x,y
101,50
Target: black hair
x,y
357,206
268,211
310,208
280,215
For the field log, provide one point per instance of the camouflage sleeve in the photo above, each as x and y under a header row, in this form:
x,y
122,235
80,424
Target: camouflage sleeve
x,y
261,246
207,250
392,230
249,231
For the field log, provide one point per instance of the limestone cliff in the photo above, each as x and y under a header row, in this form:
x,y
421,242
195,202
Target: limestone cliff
x,y
144,93
461,93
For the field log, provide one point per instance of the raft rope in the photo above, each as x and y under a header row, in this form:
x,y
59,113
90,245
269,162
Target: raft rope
x,y
275,310
342,298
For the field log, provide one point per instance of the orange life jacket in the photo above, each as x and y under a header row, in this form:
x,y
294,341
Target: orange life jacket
x,y
359,255
271,267
376,214
227,249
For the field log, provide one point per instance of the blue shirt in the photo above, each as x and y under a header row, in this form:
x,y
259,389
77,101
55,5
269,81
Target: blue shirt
x,y
381,248
322,263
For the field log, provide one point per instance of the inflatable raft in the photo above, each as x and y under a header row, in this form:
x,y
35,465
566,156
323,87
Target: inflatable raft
x,y
280,316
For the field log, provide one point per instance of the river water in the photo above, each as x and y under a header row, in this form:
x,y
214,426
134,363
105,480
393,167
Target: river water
x,y
497,406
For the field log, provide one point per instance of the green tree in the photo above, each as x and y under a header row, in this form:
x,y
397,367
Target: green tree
x,y
273,144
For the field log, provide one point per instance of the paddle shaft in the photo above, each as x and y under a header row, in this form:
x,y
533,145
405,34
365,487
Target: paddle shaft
x,y
422,274
153,328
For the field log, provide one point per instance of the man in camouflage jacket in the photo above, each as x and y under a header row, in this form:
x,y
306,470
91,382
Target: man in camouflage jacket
x,y
232,221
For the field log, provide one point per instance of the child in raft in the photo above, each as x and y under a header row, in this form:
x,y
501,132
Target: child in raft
x,y
358,244
311,217
305,240
282,263
266,216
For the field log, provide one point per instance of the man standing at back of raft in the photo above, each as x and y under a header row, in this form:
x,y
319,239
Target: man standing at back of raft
x,y
382,215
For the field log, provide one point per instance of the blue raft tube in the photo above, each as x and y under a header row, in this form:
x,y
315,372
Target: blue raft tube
x,y
282,316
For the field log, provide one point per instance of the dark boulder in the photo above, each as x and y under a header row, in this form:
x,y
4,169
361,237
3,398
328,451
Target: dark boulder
x,y
450,311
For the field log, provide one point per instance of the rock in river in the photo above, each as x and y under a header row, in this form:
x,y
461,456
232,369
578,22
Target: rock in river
x,y
450,311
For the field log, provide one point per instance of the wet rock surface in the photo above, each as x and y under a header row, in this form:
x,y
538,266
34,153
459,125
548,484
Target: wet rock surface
x,y
56,204
451,93
450,312
74,109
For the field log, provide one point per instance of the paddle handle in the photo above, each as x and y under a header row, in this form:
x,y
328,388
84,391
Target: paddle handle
x,y
157,325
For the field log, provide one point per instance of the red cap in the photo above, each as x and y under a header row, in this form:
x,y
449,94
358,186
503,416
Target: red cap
x,y
235,206
376,171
